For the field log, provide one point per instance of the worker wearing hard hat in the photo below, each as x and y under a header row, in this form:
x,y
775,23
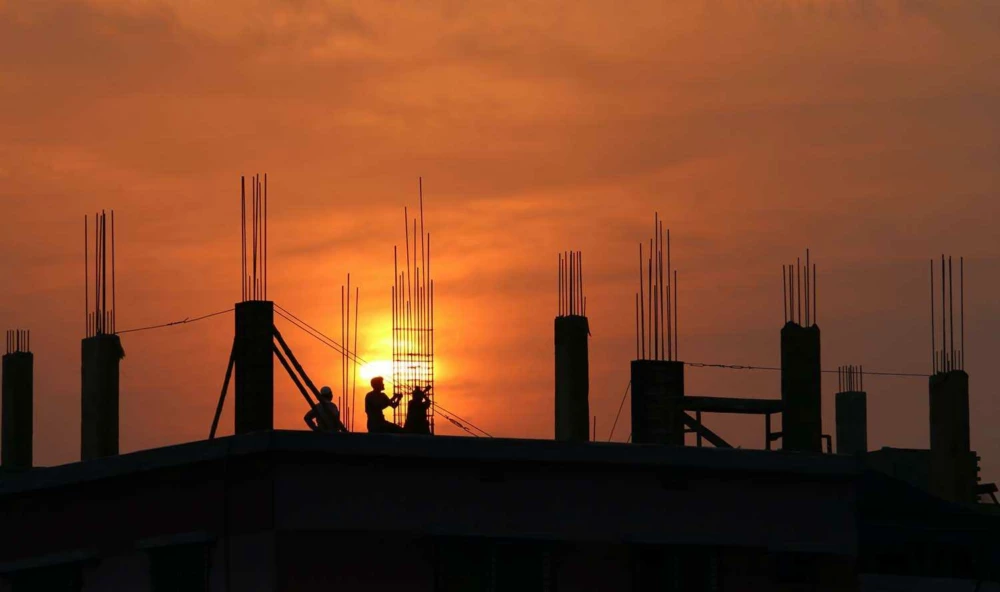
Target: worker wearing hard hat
x,y
325,417
375,403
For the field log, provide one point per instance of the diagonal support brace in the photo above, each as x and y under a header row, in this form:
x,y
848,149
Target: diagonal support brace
x,y
296,374
222,395
697,427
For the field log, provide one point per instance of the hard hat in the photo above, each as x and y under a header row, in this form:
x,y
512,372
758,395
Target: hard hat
x,y
326,393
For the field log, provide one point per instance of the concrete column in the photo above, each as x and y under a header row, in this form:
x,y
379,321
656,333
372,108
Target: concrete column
x,y
572,379
18,410
852,422
953,464
254,366
657,386
99,418
801,390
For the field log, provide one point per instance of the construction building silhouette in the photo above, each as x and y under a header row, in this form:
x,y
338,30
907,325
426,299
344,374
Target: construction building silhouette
x,y
267,510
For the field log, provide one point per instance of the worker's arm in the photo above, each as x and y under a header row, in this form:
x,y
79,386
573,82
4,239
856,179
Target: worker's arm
x,y
394,401
310,419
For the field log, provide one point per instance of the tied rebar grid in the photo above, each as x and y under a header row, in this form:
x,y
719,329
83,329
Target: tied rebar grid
x,y
413,317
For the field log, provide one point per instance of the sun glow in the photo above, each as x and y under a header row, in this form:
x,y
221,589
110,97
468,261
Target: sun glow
x,y
375,368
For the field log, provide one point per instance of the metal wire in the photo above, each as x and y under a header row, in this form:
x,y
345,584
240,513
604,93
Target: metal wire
x,y
181,322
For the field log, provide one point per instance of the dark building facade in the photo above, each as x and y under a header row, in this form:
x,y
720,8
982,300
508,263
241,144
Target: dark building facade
x,y
302,511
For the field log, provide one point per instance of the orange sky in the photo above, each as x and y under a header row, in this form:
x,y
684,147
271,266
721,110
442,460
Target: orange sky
x,y
866,130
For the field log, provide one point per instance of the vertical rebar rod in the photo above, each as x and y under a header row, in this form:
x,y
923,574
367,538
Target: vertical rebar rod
x,y
343,350
944,318
265,236
933,325
637,325
649,273
347,339
406,233
114,308
677,354
663,325
104,271
784,294
951,317
86,280
354,378
244,270
642,307
559,274
798,287
654,253
97,267
565,280
791,293
670,336
807,287
961,310
656,307
432,354
579,274
254,221
814,315
571,284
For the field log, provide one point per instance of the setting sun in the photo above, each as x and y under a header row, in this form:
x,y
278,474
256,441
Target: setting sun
x,y
375,368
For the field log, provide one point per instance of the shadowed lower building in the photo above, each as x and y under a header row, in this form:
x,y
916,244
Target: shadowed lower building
x,y
303,511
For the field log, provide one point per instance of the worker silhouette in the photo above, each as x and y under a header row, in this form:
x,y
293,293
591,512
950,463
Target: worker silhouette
x,y
416,412
325,417
375,403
